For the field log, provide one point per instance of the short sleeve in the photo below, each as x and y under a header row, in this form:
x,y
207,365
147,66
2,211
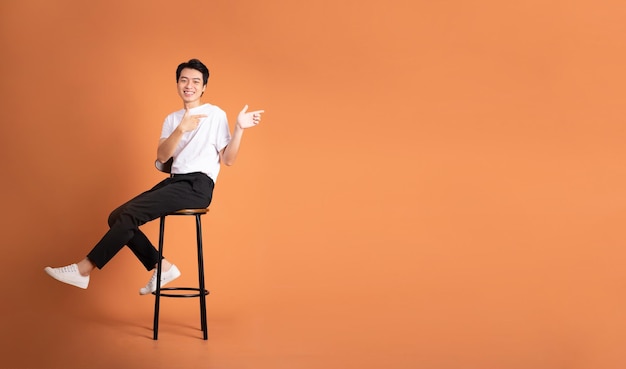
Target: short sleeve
x,y
167,129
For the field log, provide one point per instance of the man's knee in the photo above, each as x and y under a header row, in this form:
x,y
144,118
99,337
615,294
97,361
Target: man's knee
x,y
114,216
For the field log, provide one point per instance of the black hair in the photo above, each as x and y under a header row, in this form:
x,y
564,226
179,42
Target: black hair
x,y
194,64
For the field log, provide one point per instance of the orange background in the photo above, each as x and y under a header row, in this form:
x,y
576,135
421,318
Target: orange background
x,y
435,184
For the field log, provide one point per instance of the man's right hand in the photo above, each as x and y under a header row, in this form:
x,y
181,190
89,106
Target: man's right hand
x,y
190,122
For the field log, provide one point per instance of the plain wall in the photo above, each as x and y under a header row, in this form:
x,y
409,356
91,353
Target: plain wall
x,y
434,184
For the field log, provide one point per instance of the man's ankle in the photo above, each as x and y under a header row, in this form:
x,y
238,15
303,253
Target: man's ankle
x,y
165,266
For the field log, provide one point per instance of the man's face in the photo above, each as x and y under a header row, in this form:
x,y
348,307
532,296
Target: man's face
x,y
190,86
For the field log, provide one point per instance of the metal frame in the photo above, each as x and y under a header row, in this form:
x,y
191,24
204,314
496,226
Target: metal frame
x,y
201,291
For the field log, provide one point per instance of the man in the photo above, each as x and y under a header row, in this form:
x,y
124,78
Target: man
x,y
198,139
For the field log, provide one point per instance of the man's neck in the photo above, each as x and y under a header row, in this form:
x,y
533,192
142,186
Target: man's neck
x,y
191,105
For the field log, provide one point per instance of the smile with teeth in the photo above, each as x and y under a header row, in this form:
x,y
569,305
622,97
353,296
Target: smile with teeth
x,y
189,93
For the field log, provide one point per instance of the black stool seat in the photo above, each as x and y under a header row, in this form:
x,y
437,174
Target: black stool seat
x,y
200,292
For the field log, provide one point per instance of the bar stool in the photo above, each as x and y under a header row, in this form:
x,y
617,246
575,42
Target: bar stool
x,y
200,292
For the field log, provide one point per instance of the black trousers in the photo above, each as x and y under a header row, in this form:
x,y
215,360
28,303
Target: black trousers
x,y
181,191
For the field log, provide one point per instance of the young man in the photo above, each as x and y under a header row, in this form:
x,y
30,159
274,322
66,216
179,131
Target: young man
x,y
198,139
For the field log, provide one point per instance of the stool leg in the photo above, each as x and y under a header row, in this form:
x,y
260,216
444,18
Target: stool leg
x,y
157,296
203,320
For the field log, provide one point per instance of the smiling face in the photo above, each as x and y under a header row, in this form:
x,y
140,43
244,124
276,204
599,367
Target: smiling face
x,y
190,87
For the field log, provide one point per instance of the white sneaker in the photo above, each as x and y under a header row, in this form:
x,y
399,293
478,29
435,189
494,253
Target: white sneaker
x,y
166,277
68,274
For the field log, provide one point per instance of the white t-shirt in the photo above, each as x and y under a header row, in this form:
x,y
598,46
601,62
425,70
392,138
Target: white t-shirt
x,y
198,150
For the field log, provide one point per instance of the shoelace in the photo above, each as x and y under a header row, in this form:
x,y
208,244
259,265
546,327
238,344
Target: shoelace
x,y
153,279
152,282
68,269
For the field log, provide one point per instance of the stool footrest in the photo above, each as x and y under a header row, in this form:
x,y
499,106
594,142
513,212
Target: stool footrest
x,y
181,295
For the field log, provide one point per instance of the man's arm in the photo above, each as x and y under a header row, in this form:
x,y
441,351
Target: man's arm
x,y
166,147
244,120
